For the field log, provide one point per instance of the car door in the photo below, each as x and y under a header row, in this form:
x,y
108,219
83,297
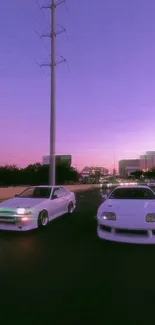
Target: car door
x,y
57,202
66,198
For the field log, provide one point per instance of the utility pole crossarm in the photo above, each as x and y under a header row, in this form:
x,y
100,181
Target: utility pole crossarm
x,y
60,2
61,61
62,30
54,4
46,35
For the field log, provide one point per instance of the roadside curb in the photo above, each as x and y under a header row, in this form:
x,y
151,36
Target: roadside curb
x,y
16,190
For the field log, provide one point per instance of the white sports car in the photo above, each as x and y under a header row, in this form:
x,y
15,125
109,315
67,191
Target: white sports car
x,y
128,215
35,207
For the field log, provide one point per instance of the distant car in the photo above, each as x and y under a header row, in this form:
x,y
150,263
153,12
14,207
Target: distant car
x,y
35,207
128,215
151,184
106,185
110,184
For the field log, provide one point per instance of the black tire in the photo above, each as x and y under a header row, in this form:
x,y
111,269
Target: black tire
x,y
70,208
43,219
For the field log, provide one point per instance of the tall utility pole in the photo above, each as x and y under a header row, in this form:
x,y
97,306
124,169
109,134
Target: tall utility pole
x,y
53,95
52,65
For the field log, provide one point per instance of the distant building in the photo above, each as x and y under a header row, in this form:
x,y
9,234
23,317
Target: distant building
x,y
59,159
90,171
150,159
102,170
143,162
85,172
147,161
127,166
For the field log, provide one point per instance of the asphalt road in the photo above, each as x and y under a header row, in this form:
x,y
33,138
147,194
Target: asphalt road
x,y
68,276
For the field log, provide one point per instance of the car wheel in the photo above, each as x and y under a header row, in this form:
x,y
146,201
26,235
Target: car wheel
x,y
70,208
43,219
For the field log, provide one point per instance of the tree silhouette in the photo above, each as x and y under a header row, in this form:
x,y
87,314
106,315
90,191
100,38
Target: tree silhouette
x,y
137,173
36,174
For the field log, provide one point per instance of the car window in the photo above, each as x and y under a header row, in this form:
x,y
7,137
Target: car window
x,y
132,193
64,191
27,193
57,193
42,192
36,192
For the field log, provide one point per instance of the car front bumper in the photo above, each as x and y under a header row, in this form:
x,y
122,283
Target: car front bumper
x,y
14,223
132,236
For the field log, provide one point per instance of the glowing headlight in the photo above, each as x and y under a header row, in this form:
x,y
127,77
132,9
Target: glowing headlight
x,y
24,211
108,216
150,217
20,211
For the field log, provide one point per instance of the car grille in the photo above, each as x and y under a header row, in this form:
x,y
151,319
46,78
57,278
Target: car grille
x,y
7,219
131,232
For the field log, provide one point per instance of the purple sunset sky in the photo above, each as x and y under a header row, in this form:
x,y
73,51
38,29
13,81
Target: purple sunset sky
x,y
105,100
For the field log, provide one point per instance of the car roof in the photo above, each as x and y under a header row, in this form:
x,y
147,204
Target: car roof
x,y
133,186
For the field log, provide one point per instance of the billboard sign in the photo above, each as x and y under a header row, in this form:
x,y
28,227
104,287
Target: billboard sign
x,y
59,159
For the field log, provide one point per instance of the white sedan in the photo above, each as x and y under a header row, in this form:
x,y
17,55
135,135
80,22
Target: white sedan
x,y
128,215
35,207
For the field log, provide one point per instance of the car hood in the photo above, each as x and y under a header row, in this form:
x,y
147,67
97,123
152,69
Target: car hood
x,y
129,213
129,207
20,203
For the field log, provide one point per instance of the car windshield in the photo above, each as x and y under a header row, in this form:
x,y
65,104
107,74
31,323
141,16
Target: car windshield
x,y
132,194
36,192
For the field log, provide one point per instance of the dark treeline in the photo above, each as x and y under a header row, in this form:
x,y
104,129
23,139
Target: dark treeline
x,y
139,174
36,174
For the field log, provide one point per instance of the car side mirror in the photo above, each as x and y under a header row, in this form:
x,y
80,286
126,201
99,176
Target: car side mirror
x,y
104,196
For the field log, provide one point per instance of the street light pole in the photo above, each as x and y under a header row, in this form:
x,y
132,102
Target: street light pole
x,y
53,96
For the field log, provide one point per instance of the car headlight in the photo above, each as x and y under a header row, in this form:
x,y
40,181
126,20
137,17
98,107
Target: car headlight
x,y
22,211
108,216
150,217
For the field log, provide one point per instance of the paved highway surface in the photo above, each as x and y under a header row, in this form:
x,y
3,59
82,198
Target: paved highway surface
x,y
66,275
